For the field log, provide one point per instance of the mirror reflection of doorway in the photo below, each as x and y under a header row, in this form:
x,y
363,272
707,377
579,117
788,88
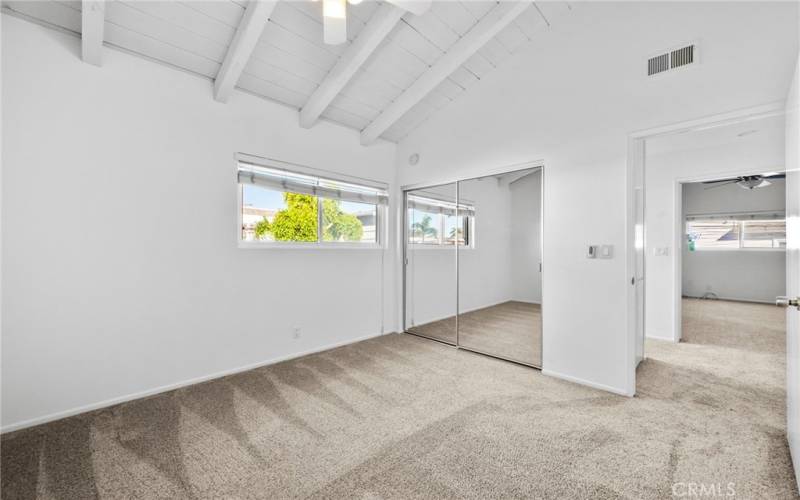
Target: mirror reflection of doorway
x,y
473,264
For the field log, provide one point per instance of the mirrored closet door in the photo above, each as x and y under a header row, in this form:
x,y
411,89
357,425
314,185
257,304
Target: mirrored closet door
x,y
473,264
499,283
430,279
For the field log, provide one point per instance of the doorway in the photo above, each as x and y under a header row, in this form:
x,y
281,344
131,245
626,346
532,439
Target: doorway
x,y
473,264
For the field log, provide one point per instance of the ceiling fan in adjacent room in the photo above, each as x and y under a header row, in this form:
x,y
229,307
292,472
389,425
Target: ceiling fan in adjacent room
x,y
746,181
334,16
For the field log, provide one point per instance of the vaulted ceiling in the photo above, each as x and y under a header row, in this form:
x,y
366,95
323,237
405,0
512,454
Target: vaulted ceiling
x,y
395,70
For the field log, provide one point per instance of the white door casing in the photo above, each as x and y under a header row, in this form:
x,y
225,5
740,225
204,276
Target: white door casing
x,y
793,269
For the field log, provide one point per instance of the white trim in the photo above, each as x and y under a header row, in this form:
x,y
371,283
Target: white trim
x,y
719,120
177,385
440,181
662,339
732,299
274,163
580,381
312,245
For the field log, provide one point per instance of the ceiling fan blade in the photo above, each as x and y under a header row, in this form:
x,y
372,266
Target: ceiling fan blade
x,y
416,7
724,183
722,180
775,176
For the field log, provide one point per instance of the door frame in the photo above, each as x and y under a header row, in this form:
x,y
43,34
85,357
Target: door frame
x,y
636,161
404,189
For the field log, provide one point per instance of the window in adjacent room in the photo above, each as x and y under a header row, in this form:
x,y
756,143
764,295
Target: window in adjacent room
x,y
280,206
736,233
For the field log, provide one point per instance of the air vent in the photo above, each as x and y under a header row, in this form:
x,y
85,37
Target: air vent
x,y
670,60
657,64
682,57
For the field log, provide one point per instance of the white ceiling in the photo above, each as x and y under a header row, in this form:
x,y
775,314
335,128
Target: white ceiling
x,y
290,60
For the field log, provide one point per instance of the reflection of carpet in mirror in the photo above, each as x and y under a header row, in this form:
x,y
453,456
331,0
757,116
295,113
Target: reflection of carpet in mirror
x,y
511,330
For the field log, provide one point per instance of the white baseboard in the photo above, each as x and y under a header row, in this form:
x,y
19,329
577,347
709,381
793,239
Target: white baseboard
x,y
663,339
177,385
734,299
593,385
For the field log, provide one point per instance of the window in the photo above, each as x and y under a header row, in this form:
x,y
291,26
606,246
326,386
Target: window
x,y
720,234
281,206
434,222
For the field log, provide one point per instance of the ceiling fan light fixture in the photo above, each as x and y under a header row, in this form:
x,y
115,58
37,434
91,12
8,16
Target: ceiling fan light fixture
x,y
334,17
753,182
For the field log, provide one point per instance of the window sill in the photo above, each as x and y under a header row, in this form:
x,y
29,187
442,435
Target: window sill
x,y
272,245
439,247
737,250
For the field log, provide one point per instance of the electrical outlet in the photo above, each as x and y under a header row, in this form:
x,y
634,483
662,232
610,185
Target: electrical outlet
x,y
296,332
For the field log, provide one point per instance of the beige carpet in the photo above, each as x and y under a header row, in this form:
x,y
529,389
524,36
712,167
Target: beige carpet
x,y
511,330
403,417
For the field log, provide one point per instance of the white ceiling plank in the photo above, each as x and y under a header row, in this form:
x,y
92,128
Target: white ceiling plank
x,y
414,43
370,38
288,41
131,16
356,106
286,78
288,62
531,23
491,24
449,89
54,13
463,78
244,41
93,18
512,38
291,17
153,48
479,65
495,51
189,19
416,7
478,8
225,12
434,30
345,117
454,15
271,90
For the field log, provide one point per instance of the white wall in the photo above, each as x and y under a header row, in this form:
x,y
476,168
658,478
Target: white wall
x,y
677,159
526,253
121,269
570,98
752,275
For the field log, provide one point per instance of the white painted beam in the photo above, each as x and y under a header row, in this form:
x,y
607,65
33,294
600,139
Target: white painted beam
x,y
93,18
416,7
244,41
371,36
490,25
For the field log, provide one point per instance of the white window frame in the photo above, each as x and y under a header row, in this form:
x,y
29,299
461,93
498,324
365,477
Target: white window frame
x,y
740,248
381,215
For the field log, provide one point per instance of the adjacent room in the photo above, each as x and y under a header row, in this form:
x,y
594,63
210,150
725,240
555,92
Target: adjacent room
x,y
399,249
